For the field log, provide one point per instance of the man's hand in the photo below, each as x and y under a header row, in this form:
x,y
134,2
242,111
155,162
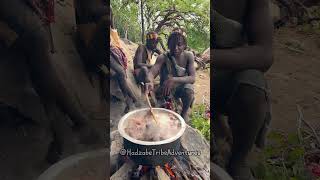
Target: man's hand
x,y
168,85
148,87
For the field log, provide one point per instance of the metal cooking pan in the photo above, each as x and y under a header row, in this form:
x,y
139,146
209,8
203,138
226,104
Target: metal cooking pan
x,y
150,153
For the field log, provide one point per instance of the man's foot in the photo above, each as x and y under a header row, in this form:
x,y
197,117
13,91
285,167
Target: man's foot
x,y
129,105
126,109
185,117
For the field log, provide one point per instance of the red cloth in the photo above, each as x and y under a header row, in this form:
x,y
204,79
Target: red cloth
x,y
315,169
169,105
45,9
120,56
50,11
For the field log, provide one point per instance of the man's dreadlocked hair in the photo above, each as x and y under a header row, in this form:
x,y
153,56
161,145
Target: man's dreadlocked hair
x,y
175,37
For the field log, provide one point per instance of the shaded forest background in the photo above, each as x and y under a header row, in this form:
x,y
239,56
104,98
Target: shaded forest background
x,y
162,17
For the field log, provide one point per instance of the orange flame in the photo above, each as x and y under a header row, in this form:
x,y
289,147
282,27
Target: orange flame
x,y
169,170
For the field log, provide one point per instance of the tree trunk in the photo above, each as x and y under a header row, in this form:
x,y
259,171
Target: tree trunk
x,y
142,22
126,34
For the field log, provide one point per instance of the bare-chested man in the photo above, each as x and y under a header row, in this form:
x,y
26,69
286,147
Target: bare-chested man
x,y
25,18
177,72
239,63
143,56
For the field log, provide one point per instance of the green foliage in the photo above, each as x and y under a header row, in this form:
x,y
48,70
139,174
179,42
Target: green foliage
x,y
309,29
200,120
194,16
126,19
282,159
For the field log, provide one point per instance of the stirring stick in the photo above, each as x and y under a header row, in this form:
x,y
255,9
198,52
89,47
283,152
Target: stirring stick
x,y
154,117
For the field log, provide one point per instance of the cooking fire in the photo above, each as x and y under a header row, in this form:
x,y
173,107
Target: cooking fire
x,y
140,132
179,168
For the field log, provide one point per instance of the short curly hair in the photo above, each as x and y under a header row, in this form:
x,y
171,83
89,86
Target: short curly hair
x,y
175,37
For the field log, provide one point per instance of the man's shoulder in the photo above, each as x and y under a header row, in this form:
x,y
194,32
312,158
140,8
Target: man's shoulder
x,y
162,56
188,54
141,46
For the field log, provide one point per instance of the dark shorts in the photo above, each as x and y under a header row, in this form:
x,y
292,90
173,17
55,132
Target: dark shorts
x,y
226,84
179,91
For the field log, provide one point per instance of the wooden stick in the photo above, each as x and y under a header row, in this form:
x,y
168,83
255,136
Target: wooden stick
x,y
176,173
123,172
304,8
180,169
161,174
299,128
169,171
303,120
154,117
200,173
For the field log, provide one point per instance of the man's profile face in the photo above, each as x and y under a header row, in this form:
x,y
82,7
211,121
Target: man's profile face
x,y
176,48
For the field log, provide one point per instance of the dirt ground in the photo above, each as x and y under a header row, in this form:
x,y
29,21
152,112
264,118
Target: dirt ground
x,y
202,86
294,78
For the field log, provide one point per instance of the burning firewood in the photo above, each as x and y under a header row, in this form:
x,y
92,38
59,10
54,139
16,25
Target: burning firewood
x,y
169,170
176,173
161,174
200,172
180,169
123,172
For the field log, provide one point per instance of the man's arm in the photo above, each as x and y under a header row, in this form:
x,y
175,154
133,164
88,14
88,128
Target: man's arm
x,y
138,57
190,79
158,51
258,53
155,70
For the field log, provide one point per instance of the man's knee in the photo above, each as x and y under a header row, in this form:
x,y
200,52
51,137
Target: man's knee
x,y
250,97
188,93
144,70
143,73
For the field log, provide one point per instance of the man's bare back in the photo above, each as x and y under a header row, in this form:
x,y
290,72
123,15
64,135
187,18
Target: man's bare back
x,y
232,10
241,91
257,29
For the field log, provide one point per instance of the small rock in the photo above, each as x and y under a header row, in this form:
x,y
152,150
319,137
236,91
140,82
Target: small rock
x,y
295,45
